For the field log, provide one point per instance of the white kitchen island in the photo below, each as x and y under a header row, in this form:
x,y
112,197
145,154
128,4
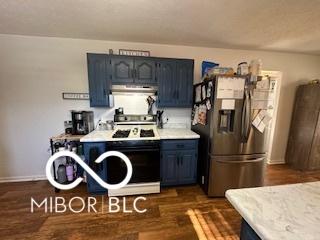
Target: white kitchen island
x,y
279,212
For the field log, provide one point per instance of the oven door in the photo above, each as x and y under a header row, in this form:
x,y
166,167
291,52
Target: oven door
x,y
145,165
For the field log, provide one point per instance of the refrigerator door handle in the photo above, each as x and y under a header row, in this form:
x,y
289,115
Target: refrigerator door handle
x,y
243,117
242,120
243,161
246,117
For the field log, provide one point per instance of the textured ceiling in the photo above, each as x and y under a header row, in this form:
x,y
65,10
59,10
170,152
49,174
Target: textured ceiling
x,y
283,25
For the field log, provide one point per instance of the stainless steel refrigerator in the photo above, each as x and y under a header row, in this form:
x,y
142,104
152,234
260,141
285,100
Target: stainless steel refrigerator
x,y
232,152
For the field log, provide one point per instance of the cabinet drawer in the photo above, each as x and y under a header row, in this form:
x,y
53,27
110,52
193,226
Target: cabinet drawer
x,y
179,144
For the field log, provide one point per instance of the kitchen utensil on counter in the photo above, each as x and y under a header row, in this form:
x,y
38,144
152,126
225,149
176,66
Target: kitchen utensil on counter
x,y
105,125
61,174
68,127
119,111
109,125
102,126
150,102
159,119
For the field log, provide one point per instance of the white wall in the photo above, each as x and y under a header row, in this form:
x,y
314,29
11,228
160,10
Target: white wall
x,y
34,71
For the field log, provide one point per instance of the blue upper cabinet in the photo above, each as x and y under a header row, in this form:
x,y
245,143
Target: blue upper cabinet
x,y
145,71
175,83
174,78
122,69
99,83
184,83
133,70
166,72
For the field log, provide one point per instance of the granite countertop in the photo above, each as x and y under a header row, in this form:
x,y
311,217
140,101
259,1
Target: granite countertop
x,y
98,136
177,133
170,133
280,212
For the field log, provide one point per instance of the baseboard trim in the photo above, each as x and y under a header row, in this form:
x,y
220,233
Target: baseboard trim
x,y
23,178
276,161
136,189
43,177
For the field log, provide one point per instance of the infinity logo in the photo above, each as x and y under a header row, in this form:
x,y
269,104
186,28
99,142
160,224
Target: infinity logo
x,y
88,170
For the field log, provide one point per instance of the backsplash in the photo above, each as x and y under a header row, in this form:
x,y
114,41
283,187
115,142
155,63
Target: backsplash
x,y
137,104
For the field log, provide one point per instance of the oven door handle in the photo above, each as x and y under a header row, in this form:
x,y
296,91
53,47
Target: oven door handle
x,y
135,149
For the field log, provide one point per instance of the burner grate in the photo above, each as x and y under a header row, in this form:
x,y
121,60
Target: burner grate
x,y
121,134
146,133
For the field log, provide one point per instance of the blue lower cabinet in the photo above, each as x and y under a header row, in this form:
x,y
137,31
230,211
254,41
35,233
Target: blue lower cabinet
x,y
247,233
169,168
187,168
91,152
179,162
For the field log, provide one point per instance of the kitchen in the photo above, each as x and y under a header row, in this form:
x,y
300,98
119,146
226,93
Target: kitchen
x,y
170,112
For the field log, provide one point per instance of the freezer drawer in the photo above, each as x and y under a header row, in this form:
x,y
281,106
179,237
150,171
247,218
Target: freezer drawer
x,y
235,172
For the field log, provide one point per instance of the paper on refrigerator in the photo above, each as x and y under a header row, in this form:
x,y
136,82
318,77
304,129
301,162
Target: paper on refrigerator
x,y
262,104
230,88
228,104
261,120
263,84
262,99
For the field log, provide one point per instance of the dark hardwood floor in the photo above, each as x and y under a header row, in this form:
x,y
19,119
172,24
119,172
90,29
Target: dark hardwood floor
x,y
177,213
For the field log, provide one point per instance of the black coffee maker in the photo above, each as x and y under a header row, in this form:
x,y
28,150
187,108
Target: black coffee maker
x,y
82,122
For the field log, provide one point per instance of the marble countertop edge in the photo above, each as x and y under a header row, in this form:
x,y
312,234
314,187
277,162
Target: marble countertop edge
x,y
243,215
287,211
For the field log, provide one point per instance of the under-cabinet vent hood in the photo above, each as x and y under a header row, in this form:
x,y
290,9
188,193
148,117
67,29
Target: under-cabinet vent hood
x,y
133,89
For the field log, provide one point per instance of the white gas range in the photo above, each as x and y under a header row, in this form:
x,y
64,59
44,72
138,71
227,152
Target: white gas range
x,y
137,137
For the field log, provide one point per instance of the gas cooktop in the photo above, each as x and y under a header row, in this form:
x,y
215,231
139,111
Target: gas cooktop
x,y
135,127
129,132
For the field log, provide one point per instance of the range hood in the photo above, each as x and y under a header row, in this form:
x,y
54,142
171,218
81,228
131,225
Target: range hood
x,y
133,89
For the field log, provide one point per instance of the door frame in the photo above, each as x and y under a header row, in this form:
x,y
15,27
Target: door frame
x,y
277,75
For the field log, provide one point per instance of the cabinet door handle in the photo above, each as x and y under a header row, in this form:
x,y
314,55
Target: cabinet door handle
x,y
178,160
104,92
181,160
